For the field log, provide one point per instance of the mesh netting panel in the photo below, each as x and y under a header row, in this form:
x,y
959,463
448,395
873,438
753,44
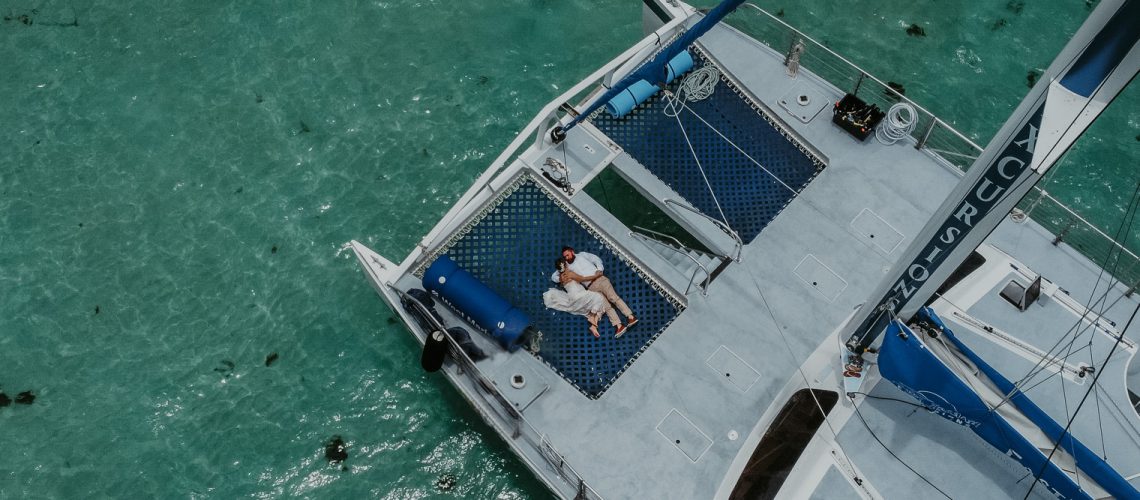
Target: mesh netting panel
x,y
750,197
512,250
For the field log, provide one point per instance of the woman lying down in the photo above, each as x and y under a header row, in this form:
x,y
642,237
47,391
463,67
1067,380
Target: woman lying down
x,y
577,300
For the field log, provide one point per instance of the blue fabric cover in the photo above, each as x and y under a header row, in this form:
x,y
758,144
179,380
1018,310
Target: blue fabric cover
x,y
910,366
482,305
1089,462
655,71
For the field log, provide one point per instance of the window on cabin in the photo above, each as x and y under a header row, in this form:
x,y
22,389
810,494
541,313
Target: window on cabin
x,y
783,444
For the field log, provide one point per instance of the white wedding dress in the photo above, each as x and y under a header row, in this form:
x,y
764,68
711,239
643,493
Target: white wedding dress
x,y
576,299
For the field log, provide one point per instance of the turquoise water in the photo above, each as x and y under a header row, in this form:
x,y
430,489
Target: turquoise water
x,y
179,180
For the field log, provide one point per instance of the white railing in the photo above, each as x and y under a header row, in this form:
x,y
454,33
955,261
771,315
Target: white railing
x,y
738,244
1077,232
654,237
939,139
522,431
931,134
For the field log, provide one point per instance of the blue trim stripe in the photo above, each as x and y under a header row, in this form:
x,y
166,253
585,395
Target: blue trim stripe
x,y
1106,51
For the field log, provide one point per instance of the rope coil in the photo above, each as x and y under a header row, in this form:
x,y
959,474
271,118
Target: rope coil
x,y
700,84
900,122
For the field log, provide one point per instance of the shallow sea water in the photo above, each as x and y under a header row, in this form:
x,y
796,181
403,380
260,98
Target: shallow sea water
x,y
178,182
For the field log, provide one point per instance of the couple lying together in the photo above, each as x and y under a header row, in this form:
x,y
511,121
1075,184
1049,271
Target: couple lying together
x,y
586,291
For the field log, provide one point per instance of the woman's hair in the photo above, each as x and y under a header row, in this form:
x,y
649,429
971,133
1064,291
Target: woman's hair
x,y
559,263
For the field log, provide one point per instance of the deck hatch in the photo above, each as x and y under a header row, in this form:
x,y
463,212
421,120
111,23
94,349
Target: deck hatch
x,y
682,434
804,102
749,196
730,368
510,246
876,231
820,278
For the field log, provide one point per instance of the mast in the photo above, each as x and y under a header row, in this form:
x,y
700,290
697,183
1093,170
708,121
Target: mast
x,y
1092,69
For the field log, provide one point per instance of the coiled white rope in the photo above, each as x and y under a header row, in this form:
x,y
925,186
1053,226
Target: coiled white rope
x,y
699,85
900,122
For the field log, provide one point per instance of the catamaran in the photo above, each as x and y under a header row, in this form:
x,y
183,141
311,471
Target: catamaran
x,y
847,298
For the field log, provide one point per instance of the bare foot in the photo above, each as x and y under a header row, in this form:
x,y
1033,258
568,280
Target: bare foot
x,y
594,330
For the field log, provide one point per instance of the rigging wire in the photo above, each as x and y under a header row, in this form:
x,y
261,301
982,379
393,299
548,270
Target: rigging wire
x,y
738,148
799,368
1041,365
672,100
1126,222
901,461
1065,432
1096,376
884,398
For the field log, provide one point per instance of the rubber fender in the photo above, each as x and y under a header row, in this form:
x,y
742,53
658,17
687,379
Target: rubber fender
x,y
435,350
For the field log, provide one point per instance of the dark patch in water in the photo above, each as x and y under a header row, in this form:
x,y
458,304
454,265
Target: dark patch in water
x,y
25,398
80,224
915,30
1015,6
424,151
897,87
483,79
29,19
780,13
999,24
392,320
445,482
258,99
4,400
335,450
273,250
305,128
1089,4
239,190
96,309
270,358
1031,77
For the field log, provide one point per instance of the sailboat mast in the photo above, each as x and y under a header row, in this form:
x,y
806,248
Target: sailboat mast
x,y
1092,69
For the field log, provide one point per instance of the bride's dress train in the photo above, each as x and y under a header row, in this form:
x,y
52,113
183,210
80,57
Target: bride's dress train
x,y
577,300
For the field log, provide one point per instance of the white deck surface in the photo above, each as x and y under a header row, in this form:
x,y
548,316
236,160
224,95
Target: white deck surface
x,y
618,443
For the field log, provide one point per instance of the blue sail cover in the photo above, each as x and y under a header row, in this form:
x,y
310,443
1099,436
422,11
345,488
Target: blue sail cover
x,y
656,71
905,361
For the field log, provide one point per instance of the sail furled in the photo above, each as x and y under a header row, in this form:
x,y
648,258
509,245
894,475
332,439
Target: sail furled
x,y
656,71
907,362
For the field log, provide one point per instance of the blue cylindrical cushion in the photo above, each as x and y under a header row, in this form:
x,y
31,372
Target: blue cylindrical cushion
x,y
679,65
642,90
634,94
471,297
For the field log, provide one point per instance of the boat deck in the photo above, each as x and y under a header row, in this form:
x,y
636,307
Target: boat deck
x,y
955,459
682,407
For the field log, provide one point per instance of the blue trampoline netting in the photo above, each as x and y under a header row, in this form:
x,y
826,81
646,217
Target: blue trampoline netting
x,y
749,196
511,246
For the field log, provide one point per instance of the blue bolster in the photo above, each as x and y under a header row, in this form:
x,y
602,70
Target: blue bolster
x,y
642,90
471,297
